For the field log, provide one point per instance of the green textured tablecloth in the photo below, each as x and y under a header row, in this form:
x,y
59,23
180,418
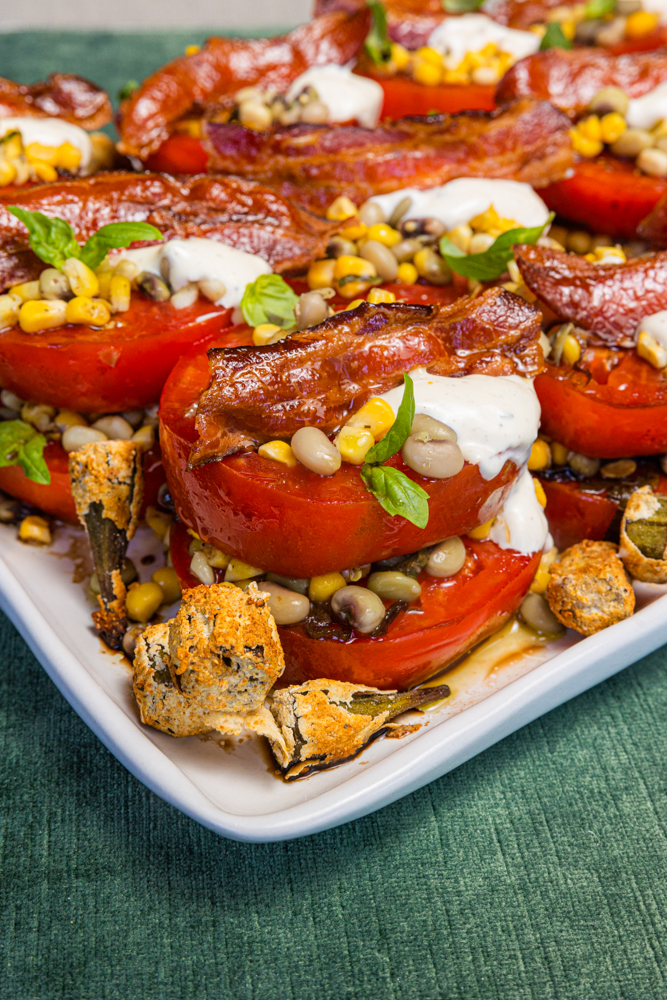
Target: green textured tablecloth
x,y
537,870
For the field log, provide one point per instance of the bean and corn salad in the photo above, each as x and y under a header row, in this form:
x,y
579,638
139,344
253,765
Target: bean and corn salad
x,y
21,164
604,127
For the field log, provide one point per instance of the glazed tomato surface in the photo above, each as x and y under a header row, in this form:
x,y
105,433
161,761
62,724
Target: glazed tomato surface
x,y
120,367
403,97
179,154
450,616
613,405
56,498
606,195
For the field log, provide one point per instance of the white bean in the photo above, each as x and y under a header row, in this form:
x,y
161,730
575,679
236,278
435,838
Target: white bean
x,y
435,459
371,214
536,613
447,558
78,437
313,449
286,606
185,296
115,427
393,586
381,256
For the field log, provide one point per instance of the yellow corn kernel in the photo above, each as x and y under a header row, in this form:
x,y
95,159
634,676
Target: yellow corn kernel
x,y
640,24
45,315
539,492
104,278
264,334
120,291
354,443
68,157
461,236
216,557
571,350
489,50
159,521
167,580
427,73
482,531
278,451
608,255
455,76
541,578
569,28
354,287
559,453
347,266
321,274
491,222
341,208
9,310
587,148
85,311
27,291
353,304
35,529
407,273
82,280
354,231
44,171
384,234
651,350
378,295
7,173
540,455
37,152
12,145
375,416
68,418
612,126
322,588
192,50
590,128
143,600
400,57
239,570
429,55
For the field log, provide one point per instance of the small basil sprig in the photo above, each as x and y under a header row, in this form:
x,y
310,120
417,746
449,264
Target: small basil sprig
x,y
269,299
377,44
393,490
53,240
493,262
127,90
21,444
461,6
555,38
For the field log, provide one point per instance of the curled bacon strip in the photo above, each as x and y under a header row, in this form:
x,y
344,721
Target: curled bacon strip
x,y
224,65
63,95
319,375
237,212
314,163
609,301
571,79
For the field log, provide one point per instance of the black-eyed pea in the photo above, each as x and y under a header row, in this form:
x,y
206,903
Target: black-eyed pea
x,y
359,607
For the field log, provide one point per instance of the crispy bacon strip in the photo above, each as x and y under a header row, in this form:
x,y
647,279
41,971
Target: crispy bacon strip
x,y
314,163
63,95
319,375
609,301
224,65
243,214
570,79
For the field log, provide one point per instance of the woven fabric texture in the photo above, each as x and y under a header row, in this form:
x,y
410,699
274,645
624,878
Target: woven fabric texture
x,y
536,871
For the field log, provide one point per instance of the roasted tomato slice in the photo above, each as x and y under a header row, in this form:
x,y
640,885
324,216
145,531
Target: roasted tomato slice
x,y
179,154
119,367
612,405
56,498
404,97
606,195
450,616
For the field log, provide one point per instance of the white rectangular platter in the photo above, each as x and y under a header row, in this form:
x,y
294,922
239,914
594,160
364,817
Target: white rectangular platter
x,y
229,785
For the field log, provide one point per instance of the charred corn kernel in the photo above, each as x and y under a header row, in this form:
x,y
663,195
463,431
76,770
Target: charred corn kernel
x,y
322,588
384,234
7,173
461,237
341,208
87,311
144,437
278,451
44,171
158,521
200,568
104,278
640,24
378,295
44,315
35,529
587,148
68,157
354,443
590,128
192,50
321,274
400,57
143,600
375,416
28,291
239,570
539,492
426,73
612,126
559,453
541,578
407,273
9,309
167,580
82,280
651,350
540,455
354,231
571,350
36,151
264,333
216,557
119,293
482,531
68,418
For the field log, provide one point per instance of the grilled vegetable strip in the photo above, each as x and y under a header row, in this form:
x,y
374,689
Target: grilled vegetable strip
x,y
644,536
589,588
324,723
63,95
107,485
315,163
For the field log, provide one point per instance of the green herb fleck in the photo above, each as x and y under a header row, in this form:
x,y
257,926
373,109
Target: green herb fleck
x,y
22,445
377,44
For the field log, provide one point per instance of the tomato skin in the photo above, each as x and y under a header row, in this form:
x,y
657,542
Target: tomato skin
x,y
607,195
179,154
647,44
404,97
107,370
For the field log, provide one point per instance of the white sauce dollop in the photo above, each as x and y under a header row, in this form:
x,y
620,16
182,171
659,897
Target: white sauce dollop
x,y
521,524
50,132
459,201
496,418
199,259
656,7
347,96
647,111
456,36
656,326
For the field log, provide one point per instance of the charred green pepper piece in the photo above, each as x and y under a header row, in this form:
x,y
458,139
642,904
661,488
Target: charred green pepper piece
x,y
644,536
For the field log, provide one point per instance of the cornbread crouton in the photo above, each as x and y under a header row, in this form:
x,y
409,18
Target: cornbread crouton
x,y
589,588
644,536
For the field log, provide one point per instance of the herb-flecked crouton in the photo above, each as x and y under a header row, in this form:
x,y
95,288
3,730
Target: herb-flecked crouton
x,y
589,588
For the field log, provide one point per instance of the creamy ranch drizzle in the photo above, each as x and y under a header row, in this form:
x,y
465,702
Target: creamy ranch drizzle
x,y
459,201
456,36
347,96
656,326
647,111
49,132
197,259
521,524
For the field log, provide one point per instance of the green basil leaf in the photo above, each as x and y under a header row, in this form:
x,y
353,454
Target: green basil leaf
x,y
21,444
377,44
596,9
554,38
113,236
51,239
269,299
397,493
399,431
127,90
493,262
461,6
